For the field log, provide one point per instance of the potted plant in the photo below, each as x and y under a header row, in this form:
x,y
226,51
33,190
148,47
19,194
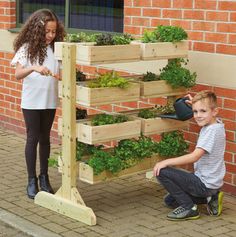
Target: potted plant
x,y
164,42
128,157
152,124
101,48
106,127
106,89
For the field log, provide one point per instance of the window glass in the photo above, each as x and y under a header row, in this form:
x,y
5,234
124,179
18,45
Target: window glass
x,y
27,7
97,15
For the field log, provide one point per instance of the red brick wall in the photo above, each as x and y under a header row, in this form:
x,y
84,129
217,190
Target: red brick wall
x,y
211,27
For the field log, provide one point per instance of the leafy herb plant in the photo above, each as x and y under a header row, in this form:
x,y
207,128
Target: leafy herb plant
x,y
110,79
178,76
172,144
103,119
149,76
165,34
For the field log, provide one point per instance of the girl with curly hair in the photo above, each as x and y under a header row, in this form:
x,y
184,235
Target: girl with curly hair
x,y
36,66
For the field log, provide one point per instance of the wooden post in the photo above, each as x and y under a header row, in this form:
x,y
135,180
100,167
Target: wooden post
x,y
67,200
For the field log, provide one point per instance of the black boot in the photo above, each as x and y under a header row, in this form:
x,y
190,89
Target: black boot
x,y
44,184
32,188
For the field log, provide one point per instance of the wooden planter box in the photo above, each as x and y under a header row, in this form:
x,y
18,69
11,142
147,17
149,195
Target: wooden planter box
x,y
90,54
89,134
163,50
158,89
158,125
99,96
86,172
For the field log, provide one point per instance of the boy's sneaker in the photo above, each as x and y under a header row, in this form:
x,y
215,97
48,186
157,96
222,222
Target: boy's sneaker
x,y
181,213
214,206
170,201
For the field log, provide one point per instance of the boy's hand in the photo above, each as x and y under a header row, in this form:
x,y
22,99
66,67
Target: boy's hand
x,y
189,99
157,168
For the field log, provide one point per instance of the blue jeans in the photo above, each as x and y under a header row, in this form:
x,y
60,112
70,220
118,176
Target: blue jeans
x,y
186,188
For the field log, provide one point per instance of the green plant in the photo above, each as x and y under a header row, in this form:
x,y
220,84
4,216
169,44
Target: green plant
x,y
147,113
165,34
172,144
98,161
176,75
149,76
122,39
110,79
104,39
103,119
81,37
52,162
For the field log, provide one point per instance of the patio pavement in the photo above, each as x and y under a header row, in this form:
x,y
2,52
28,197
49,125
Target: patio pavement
x,y
130,206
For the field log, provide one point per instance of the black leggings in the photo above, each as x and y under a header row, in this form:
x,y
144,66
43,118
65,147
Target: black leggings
x,y
38,126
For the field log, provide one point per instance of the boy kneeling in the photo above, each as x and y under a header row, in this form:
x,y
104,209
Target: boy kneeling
x,y
185,189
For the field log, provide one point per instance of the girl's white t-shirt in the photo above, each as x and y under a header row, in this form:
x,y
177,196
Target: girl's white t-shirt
x,y
38,92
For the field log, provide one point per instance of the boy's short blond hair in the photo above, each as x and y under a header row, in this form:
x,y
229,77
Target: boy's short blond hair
x,y
206,95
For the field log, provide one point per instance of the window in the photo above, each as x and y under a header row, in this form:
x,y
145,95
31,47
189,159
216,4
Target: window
x,y
97,15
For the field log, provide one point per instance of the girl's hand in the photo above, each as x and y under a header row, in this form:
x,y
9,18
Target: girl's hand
x,y
157,168
56,76
42,70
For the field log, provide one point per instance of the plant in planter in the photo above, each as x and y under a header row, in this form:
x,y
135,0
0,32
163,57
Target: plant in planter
x,y
176,75
110,79
165,34
103,119
172,144
154,112
83,149
150,76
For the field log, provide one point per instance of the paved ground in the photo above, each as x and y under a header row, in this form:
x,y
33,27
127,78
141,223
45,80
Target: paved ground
x,y
130,206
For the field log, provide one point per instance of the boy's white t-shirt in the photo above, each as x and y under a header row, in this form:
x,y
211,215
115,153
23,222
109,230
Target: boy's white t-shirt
x,y
210,168
38,92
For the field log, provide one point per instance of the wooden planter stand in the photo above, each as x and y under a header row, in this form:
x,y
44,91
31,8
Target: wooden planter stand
x,y
159,88
163,50
89,134
86,173
99,96
90,54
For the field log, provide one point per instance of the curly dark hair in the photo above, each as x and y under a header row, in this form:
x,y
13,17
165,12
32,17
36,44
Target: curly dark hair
x,y
33,34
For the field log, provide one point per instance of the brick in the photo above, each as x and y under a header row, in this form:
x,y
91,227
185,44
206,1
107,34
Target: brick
x,y
142,3
226,27
205,47
185,24
231,104
231,146
192,14
228,157
132,11
205,4
138,21
152,12
132,30
232,16
182,4
204,26
161,3
224,92
229,125
217,16
232,39
216,37
228,114
226,49
156,22
195,35
227,5
171,13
